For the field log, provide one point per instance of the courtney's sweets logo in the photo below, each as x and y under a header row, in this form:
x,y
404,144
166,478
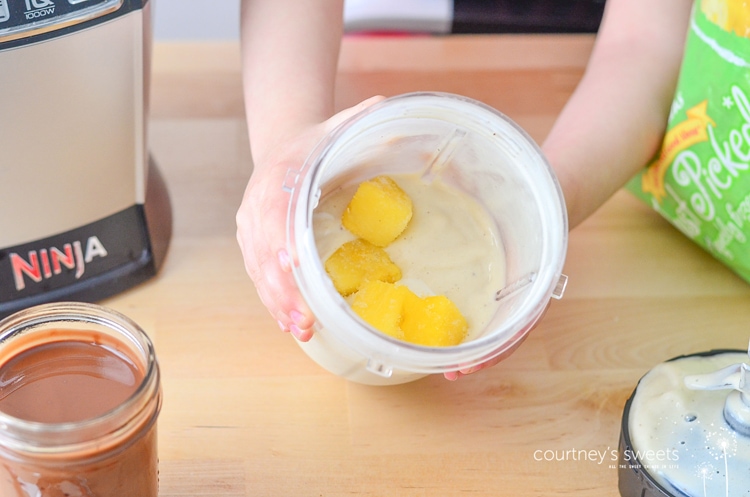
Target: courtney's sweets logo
x,y
593,455
630,458
39,8
49,262
653,456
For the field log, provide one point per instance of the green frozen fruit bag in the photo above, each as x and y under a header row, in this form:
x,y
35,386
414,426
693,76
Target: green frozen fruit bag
x,y
700,179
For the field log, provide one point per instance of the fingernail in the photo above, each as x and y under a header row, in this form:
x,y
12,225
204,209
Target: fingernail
x,y
281,325
451,375
297,332
297,317
284,260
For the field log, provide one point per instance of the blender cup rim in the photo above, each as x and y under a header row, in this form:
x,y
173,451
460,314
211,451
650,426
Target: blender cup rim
x,y
375,344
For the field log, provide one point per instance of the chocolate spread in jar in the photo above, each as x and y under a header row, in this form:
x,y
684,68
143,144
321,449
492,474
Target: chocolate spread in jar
x,y
67,381
90,382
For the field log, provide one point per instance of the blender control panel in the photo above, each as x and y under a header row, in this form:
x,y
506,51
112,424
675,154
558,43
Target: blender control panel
x,y
21,18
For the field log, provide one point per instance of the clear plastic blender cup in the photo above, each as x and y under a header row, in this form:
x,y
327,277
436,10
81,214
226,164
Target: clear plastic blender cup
x,y
472,147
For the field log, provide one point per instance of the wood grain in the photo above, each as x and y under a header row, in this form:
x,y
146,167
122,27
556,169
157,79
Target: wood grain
x,y
246,413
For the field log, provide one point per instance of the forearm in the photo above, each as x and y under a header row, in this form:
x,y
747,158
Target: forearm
x,y
289,57
615,120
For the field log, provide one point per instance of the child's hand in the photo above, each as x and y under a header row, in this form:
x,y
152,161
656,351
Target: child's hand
x,y
261,226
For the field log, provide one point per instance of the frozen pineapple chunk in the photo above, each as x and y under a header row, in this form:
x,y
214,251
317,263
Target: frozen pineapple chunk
x,y
380,304
433,321
357,262
397,311
378,212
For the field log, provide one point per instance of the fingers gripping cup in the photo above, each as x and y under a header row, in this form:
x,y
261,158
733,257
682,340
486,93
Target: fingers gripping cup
x,y
489,230
79,398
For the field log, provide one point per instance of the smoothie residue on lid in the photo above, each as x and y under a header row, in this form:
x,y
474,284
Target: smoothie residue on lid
x,y
680,436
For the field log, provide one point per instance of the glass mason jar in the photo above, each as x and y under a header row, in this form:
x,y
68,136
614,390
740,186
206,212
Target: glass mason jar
x,y
481,152
98,437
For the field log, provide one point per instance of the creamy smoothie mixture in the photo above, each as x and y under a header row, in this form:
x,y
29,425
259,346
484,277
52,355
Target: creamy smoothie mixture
x,y
680,435
450,247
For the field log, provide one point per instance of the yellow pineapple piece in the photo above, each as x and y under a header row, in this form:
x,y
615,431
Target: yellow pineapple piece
x,y
380,304
433,321
397,311
357,262
378,212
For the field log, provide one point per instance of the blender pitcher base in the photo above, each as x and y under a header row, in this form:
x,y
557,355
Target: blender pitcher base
x,y
91,262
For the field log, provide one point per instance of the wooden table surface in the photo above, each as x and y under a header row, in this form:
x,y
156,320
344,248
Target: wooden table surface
x,y
246,413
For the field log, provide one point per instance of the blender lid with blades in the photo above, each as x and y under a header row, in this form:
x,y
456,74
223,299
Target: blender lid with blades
x,y
686,429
